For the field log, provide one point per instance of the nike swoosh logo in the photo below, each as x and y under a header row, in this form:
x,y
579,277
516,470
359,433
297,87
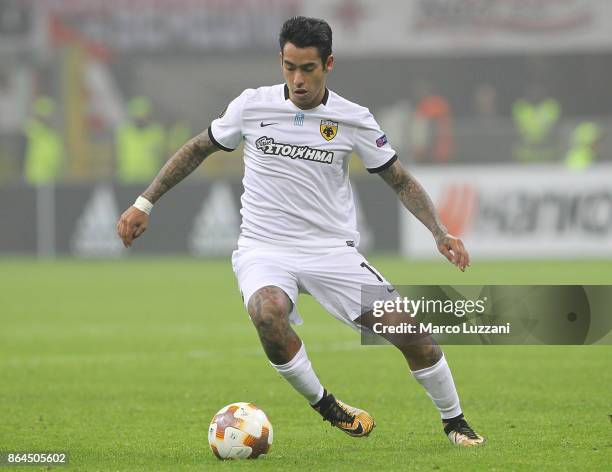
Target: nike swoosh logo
x,y
263,125
358,431
391,290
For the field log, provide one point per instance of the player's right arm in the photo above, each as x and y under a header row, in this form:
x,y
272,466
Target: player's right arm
x,y
133,222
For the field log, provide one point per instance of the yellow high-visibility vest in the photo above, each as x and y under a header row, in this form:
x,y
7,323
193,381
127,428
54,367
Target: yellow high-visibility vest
x,y
582,151
139,152
535,123
44,153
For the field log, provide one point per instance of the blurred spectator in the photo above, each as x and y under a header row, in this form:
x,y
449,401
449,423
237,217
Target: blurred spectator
x,y
139,144
535,118
485,136
44,157
432,137
484,103
583,146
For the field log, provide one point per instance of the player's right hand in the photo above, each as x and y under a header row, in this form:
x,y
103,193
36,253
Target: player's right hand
x,y
131,225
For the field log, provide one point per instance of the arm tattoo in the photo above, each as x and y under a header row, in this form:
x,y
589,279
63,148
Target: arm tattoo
x,y
414,198
180,165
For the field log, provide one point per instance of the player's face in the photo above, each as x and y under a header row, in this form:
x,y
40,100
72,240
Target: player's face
x,y
305,74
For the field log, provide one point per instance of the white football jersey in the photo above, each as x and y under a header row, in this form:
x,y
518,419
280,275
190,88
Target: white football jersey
x,y
296,184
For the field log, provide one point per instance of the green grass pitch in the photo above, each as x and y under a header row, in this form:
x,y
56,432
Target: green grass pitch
x,y
123,363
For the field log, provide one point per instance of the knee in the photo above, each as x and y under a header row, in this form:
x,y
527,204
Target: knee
x,y
428,354
269,307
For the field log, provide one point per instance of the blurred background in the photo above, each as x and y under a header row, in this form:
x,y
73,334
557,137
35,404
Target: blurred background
x,y
501,108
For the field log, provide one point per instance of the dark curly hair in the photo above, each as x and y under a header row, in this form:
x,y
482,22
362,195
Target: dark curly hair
x,y
307,32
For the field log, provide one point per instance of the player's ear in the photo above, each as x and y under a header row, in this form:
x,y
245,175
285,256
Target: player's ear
x,y
280,57
329,64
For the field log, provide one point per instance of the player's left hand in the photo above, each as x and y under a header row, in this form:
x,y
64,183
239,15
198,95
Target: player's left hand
x,y
453,249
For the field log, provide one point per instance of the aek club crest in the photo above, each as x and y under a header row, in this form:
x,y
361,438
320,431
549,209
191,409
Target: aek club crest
x,y
329,129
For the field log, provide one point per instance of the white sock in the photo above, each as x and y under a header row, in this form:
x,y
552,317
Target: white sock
x,y
438,381
300,374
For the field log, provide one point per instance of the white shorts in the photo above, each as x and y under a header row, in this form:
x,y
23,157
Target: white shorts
x,y
336,277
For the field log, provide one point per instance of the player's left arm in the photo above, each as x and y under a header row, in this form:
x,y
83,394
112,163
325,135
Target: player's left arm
x,y
414,197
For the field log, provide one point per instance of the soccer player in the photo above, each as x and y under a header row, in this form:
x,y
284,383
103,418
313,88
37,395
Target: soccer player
x,y
298,231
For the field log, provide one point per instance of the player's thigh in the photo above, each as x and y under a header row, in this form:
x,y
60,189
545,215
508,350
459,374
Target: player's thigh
x,y
345,283
263,272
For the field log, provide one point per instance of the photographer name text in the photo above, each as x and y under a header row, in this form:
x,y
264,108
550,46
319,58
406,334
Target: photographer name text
x,y
430,328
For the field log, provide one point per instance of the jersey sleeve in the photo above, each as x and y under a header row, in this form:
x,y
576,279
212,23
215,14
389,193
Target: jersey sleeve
x,y
372,146
226,130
